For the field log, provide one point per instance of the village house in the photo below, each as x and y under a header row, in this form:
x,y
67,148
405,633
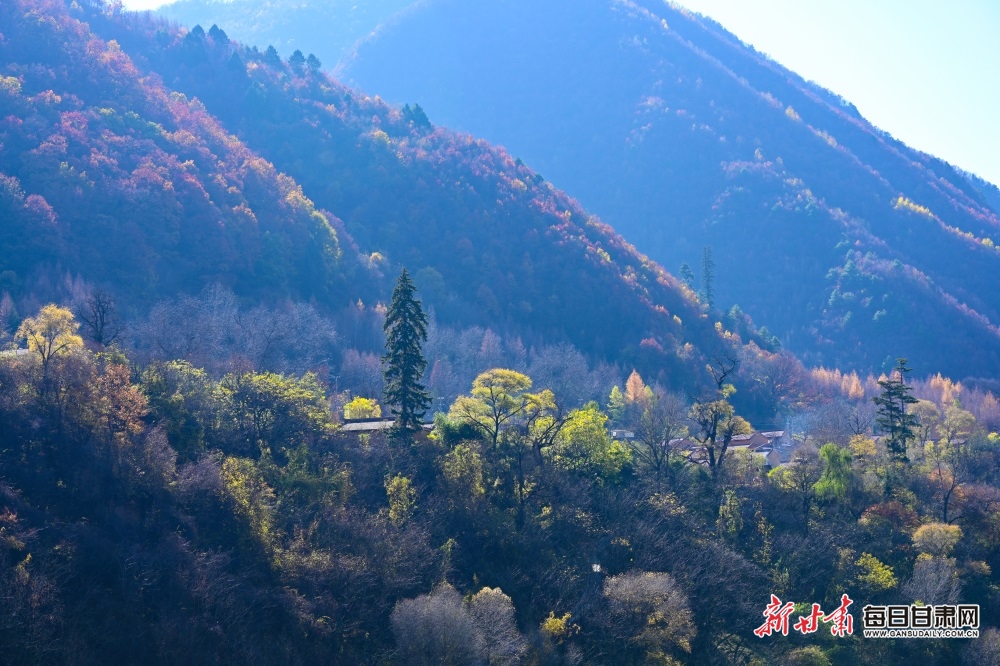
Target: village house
x,y
767,444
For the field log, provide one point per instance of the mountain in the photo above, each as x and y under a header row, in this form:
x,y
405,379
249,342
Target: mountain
x,y
330,28
190,496
163,160
106,174
850,246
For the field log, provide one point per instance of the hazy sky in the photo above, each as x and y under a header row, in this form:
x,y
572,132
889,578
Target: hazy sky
x,y
137,5
925,71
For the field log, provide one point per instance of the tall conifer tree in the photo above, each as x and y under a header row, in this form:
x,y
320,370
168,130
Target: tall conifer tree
x,y
708,278
893,416
405,332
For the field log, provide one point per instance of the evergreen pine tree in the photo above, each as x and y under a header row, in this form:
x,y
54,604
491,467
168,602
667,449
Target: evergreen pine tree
x,y
708,278
271,56
687,275
297,61
892,417
405,332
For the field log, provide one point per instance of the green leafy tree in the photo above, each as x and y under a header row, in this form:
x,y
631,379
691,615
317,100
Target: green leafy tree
x,y
276,413
800,477
930,418
498,398
462,470
402,498
958,423
405,332
874,575
271,56
729,524
583,446
185,402
616,405
513,422
835,480
937,539
252,499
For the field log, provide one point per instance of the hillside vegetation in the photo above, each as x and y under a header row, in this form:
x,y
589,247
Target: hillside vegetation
x,y
849,245
196,243
128,143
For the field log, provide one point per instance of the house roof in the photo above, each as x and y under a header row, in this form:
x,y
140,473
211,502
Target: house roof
x,y
366,425
372,425
753,440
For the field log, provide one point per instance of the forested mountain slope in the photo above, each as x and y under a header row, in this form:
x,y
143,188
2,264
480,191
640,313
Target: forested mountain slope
x,y
107,175
187,493
125,141
847,243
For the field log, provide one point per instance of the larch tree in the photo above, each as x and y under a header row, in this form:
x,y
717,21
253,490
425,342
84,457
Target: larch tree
x,y
404,364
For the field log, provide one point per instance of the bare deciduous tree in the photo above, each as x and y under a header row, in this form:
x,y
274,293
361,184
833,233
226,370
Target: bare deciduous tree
x,y
436,628
650,609
657,417
493,613
100,317
935,581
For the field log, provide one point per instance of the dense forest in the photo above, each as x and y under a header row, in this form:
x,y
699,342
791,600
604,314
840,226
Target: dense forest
x,y
852,247
153,511
230,434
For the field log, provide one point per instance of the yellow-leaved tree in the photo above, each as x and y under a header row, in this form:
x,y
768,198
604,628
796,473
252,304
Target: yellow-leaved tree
x,y
52,332
362,408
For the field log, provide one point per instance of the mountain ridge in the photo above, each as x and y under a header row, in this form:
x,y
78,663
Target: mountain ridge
x,y
648,161
489,241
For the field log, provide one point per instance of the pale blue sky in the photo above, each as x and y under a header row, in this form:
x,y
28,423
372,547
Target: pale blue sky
x,y
925,71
